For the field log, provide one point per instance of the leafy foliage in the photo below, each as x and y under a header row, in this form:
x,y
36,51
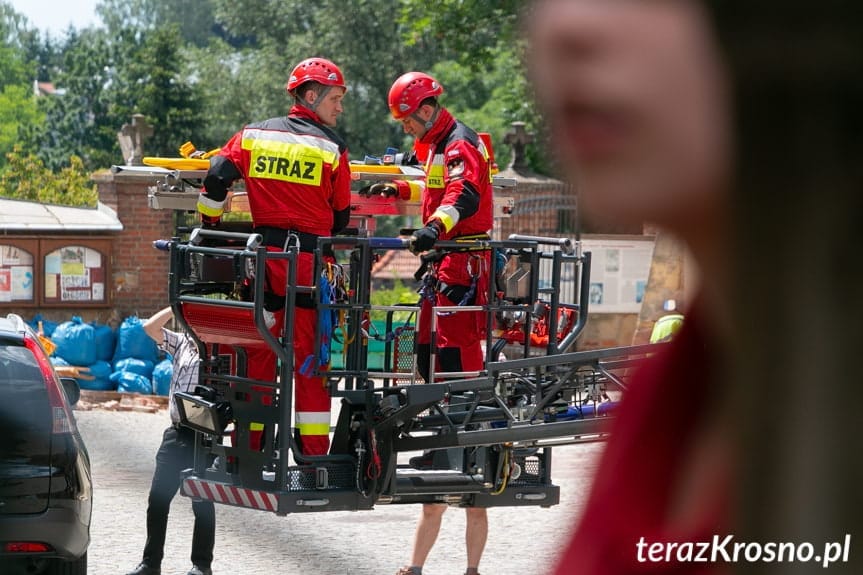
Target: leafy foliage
x,y
236,87
151,83
399,294
363,37
18,110
493,23
80,122
27,178
201,69
194,19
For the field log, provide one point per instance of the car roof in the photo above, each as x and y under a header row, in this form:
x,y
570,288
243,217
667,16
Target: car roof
x,y
13,327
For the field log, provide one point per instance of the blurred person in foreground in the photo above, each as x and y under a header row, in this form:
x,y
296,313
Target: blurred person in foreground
x,y
736,127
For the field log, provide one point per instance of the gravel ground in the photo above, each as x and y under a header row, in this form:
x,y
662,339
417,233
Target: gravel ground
x,y
123,444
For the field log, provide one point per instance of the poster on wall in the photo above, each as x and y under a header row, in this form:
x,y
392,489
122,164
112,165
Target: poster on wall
x,y
16,274
75,287
22,283
74,274
5,285
618,273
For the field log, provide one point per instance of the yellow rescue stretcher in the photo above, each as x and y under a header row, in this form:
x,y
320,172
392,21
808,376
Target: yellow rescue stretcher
x,y
193,164
358,171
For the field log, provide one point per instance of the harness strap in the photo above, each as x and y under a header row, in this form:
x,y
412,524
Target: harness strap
x,y
278,237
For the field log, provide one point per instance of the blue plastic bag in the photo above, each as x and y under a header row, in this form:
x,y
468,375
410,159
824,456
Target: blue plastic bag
x,y
133,341
101,373
162,377
130,382
140,366
48,326
76,342
106,341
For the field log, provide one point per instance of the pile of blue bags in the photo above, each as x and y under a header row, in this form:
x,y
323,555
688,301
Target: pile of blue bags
x,y
127,360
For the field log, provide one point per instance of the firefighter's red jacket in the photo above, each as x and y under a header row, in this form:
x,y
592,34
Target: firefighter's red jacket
x,y
296,172
458,190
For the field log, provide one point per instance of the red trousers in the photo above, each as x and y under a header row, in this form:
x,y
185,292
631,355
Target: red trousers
x,y
459,335
311,394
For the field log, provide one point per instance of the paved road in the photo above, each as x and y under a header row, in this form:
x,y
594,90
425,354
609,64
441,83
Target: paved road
x,y
122,445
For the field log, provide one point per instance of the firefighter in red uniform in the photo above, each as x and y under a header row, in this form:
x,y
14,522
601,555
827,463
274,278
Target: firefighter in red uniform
x,y
457,204
297,179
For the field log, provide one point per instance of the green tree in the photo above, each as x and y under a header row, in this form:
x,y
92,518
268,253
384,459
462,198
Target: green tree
x,y
121,15
363,37
13,58
492,23
236,87
492,101
149,81
18,109
27,178
202,69
18,112
372,55
80,120
194,19
107,78
483,71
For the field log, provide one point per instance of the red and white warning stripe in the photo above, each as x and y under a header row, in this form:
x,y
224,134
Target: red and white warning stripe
x,y
228,494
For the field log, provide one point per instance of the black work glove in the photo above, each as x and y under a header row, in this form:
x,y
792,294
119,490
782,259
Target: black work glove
x,y
384,189
424,238
410,159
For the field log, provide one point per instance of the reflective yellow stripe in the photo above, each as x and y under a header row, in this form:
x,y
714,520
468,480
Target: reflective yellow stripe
x,y
435,175
416,190
313,422
252,135
289,157
255,426
487,157
447,215
210,207
314,428
665,328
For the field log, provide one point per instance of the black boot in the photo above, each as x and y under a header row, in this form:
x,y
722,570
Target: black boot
x,y
144,569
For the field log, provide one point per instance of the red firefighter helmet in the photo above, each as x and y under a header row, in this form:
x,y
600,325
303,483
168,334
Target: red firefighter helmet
x,y
408,92
318,70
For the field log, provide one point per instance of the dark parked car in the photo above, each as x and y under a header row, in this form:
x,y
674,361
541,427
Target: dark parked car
x,y
46,492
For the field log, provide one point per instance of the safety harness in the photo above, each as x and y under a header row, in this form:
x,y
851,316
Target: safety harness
x,y
462,295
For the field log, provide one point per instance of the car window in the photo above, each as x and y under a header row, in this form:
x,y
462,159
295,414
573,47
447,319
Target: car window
x,y
18,366
24,407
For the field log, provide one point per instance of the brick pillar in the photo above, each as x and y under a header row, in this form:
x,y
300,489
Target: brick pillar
x,y
140,272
